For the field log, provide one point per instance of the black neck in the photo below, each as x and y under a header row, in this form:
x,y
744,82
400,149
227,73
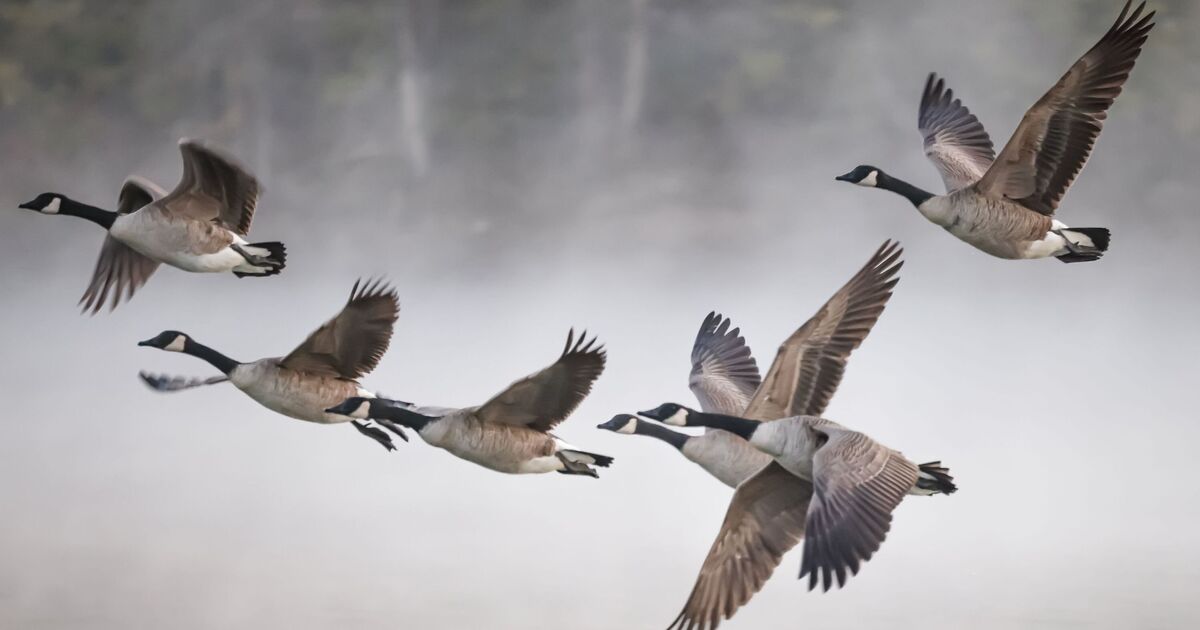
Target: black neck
x,y
902,188
103,218
738,426
399,413
674,438
218,360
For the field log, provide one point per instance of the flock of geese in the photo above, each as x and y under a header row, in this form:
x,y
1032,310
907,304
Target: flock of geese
x,y
796,475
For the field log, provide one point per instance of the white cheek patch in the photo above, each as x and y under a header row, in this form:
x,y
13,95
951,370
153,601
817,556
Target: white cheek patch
x,y
871,180
629,427
176,344
678,419
363,412
53,206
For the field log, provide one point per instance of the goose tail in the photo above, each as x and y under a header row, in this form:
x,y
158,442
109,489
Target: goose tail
x,y
576,462
933,478
1089,244
274,259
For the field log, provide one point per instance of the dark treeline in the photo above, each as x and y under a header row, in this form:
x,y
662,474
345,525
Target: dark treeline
x,y
469,108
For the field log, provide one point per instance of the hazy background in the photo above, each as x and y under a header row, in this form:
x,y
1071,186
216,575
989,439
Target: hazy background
x,y
517,167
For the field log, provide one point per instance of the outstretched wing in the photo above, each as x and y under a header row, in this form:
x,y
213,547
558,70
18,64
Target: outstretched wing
x,y
724,375
352,343
955,140
765,519
809,366
166,383
1056,136
120,270
542,400
214,187
857,483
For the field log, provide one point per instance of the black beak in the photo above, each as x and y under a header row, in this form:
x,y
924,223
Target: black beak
x,y
28,205
652,414
845,178
148,342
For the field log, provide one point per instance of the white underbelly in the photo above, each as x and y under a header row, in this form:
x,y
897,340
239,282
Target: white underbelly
x,y
168,243
219,262
539,465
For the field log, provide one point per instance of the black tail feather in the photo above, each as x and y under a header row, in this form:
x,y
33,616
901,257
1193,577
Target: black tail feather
x,y
1099,236
277,256
1081,257
571,467
936,478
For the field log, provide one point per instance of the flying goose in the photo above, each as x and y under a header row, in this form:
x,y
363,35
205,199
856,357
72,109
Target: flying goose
x,y
319,373
1005,205
198,227
511,432
801,381
832,486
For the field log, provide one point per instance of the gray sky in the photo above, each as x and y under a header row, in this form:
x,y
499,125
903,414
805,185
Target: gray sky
x,y
1059,395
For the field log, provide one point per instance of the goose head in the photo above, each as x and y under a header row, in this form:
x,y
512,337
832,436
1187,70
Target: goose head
x,y
355,407
670,413
169,340
46,203
620,423
863,175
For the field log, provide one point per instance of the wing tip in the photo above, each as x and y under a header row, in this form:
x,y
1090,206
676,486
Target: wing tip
x,y
372,287
581,345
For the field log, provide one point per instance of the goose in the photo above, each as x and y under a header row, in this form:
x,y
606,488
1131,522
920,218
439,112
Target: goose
x,y
801,381
198,227
318,374
511,432
1005,205
830,485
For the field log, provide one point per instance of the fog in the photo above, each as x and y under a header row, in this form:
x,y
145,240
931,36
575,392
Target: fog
x,y
518,168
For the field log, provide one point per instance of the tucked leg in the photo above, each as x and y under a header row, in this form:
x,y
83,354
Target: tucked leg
x,y
257,261
375,434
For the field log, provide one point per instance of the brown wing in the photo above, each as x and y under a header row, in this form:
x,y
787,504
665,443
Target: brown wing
x,y
1055,137
214,187
120,270
724,374
352,343
765,519
810,363
955,140
542,400
857,483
